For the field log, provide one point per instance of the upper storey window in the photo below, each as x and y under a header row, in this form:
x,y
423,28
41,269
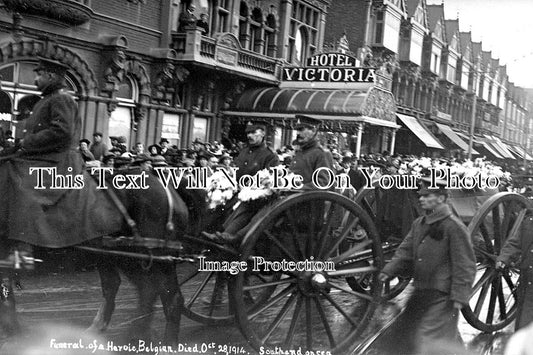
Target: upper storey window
x,y
303,32
257,31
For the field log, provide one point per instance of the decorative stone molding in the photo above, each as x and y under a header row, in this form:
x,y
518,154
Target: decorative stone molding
x,y
135,2
114,72
232,93
29,50
166,82
73,13
380,104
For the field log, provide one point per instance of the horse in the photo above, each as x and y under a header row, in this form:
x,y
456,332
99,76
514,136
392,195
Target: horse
x,y
156,212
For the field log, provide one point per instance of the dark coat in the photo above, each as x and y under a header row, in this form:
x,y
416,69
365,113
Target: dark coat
x,y
438,253
59,217
308,159
99,150
522,244
253,159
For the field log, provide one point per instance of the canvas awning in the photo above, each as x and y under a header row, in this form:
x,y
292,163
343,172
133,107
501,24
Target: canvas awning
x,y
519,151
448,132
336,107
420,131
500,147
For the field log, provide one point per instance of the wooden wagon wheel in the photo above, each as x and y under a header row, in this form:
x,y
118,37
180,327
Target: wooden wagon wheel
x,y
367,198
207,300
310,309
493,300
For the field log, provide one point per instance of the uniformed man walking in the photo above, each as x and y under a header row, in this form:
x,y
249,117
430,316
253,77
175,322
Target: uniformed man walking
x,y
521,244
438,254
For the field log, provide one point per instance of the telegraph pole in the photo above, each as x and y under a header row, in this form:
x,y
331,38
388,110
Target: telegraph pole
x,y
473,118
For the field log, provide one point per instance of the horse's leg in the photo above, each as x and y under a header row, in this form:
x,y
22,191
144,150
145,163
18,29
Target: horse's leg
x,y
172,300
8,315
110,281
144,282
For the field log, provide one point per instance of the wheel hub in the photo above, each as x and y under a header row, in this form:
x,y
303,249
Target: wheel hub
x,y
311,283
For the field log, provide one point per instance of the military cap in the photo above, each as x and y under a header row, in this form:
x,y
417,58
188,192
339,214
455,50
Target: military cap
x,y
52,66
425,187
97,134
252,126
85,140
303,121
163,140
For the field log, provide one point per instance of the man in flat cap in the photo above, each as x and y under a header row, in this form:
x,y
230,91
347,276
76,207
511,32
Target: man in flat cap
x,y
254,157
62,216
437,252
310,156
98,148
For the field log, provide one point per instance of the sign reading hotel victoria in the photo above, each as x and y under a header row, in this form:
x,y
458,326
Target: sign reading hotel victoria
x,y
330,67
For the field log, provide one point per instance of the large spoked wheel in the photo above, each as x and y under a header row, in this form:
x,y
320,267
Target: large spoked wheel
x,y
313,308
367,198
206,298
493,301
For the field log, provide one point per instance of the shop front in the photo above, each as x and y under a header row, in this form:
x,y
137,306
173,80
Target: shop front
x,y
357,113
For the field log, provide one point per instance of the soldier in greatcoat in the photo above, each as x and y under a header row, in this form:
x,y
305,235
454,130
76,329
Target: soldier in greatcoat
x,y
310,157
254,157
521,244
437,252
48,217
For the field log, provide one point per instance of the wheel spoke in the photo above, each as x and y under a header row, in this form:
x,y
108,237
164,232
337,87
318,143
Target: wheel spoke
x,y
501,302
200,289
351,253
279,317
509,282
341,237
189,278
295,233
351,292
481,281
486,237
517,224
280,246
483,295
341,311
496,219
269,284
294,321
322,314
273,301
325,230
309,321
492,302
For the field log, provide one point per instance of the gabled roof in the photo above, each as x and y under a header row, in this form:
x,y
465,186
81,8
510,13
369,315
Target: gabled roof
x,y
411,6
495,64
476,49
435,13
452,27
465,40
486,57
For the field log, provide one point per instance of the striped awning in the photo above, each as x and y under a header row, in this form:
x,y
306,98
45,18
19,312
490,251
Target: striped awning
x,y
420,131
498,144
448,132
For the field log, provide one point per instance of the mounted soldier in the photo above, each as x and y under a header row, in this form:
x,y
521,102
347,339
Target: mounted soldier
x,y
59,217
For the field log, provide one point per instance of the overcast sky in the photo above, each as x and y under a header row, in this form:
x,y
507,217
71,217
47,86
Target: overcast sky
x,y
504,26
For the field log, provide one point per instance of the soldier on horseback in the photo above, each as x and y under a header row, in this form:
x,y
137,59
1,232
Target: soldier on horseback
x,y
59,217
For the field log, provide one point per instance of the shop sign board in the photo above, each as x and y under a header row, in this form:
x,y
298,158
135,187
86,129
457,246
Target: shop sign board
x,y
329,67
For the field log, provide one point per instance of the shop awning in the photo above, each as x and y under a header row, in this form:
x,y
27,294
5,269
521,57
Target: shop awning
x,y
333,106
466,138
519,151
489,147
420,131
500,147
448,132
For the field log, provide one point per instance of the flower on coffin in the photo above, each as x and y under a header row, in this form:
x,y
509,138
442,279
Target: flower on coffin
x,y
219,190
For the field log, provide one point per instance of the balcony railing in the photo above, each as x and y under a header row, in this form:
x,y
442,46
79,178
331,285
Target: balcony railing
x,y
224,51
70,12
